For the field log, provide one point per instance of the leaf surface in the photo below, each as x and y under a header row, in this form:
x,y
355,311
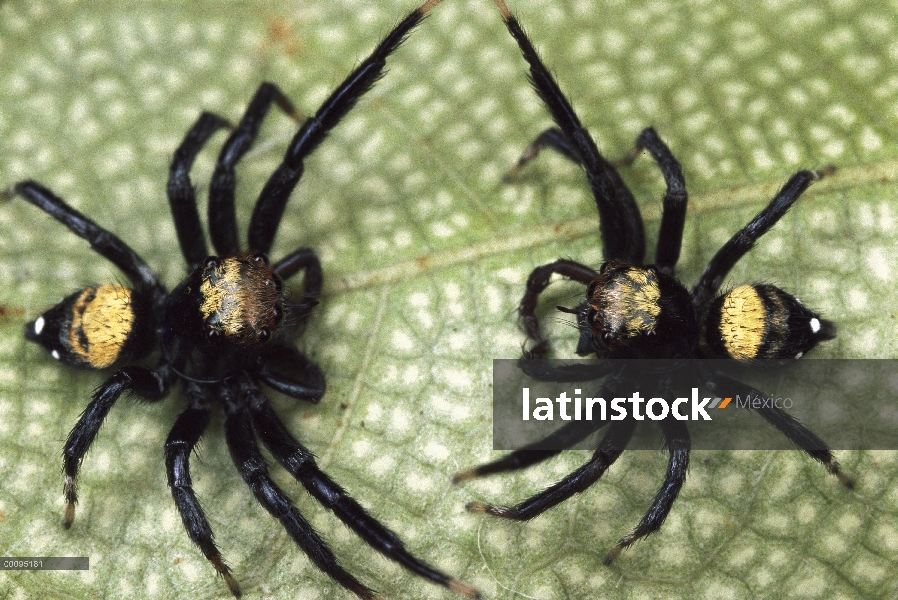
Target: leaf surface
x,y
425,254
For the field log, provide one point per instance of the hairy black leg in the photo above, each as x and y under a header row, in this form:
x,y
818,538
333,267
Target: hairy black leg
x,y
222,218
310,387
181,194
550,138
612,445
301,464
676,438
745,239
149,385
785,423
103,242
303,259
573,373
561,439
252,467
273,198
536,284
670,237
181,441
620,222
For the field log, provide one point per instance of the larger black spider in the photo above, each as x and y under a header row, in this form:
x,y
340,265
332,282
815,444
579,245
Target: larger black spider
x,y
637,311
220,331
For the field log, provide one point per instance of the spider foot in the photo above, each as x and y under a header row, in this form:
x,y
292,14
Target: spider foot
x,y
621,545
537,352
836,470
225,573
428,6
627,159
463,588
8,193
824,172
493,509
466,475
71,499
528,155
551,138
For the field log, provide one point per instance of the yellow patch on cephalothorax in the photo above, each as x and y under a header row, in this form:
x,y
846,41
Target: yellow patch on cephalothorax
x,y
631,301
743,322
239,298
222,298
102,320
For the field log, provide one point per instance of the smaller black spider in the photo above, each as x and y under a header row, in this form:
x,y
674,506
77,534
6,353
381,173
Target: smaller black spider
x,y
637,311
222,331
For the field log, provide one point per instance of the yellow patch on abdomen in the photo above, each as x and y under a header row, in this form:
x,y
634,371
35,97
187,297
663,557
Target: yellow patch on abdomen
x,y
102,320
743,322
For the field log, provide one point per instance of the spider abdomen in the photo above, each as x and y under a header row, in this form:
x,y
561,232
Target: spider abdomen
x,y
753,322
95,327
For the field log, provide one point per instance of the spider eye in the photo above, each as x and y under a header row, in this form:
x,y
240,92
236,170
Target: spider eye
x,y
260,258
211,262
264,335
276,282
277,313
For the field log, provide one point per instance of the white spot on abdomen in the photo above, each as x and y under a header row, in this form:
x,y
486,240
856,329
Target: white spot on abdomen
x,y
38,325
815,325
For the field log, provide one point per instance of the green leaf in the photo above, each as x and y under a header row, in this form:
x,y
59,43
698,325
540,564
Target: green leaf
x,y
425,254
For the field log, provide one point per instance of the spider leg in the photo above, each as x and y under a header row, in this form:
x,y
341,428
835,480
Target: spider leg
x,y
572,373
303,259
103,242
676,437
612,445
785,423
561,439
181,194
312,386
670,237
150,385
181,441
273,198
254,470
301,464
222,218
620,222
537,282
550,138
745,239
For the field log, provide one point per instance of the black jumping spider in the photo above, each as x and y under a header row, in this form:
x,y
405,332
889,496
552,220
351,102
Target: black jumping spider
x,y
222,331
637,311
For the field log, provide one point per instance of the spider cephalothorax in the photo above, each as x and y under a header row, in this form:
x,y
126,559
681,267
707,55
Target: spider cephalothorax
x,y
638,312
222,317
633,310
220,331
